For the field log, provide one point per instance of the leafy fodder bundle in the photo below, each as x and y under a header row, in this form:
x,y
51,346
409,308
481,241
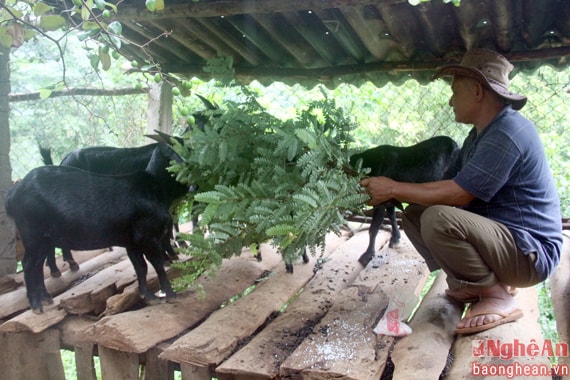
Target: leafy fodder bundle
x,y
261,179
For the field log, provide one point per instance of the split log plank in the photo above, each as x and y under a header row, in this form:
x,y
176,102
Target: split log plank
x,y
560,294
524,330
53,314
427,349
122,301
139,330
90,296
10,282
78,256
128,292
35,323
220,334
343,345
217,337
16,301
262,357
70,329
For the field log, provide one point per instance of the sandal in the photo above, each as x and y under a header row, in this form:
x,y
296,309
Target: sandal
x,y
505,318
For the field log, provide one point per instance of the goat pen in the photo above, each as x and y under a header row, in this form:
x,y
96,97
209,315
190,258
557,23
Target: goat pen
x,y
255,321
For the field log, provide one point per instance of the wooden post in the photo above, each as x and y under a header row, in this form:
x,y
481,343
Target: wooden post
x,y
560,293
8,261
156,368
192,372
118,364
84,364
159,108
31,356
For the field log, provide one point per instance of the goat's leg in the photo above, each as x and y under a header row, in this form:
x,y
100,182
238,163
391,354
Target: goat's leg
x,y
183,243
289,266
171,255
377,219
395,239
32,264
157,262
68,258
305,258
258,256
141,269
50,262
194,218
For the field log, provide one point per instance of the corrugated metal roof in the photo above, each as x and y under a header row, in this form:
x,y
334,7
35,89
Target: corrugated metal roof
x,y
335,41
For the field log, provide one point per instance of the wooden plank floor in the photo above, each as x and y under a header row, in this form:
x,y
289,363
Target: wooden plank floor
x,y
314,324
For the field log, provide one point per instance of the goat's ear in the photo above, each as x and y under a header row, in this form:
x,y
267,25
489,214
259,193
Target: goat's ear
x,y
209,105
160,137
156,138
165,136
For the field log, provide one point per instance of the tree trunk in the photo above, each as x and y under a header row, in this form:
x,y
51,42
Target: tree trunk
x,y
8,260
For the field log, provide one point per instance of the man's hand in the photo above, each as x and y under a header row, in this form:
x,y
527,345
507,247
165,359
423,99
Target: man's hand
x,y
380,189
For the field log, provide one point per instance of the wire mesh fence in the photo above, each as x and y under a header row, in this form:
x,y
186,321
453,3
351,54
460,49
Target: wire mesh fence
x,y
65,124
394,114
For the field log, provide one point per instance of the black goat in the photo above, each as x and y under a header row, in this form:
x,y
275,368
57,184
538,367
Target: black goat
x,y
61,206
430,160
118,161
103,160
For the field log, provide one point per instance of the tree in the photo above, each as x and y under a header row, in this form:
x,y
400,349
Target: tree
x,y
21,21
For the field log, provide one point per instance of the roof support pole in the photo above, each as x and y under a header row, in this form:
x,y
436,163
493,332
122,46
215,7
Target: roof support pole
x,y
159,108
8,261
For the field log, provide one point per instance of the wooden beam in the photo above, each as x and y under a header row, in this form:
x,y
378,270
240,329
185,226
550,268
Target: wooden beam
x,y
78,92
365,68
235,7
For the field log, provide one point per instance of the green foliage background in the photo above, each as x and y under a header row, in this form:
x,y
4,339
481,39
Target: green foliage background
x,y
399,115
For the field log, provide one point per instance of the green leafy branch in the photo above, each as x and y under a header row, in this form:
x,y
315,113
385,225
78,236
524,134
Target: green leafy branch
x,y
261,179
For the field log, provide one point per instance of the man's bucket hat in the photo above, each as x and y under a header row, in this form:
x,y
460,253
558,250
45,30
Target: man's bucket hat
x,y
490,69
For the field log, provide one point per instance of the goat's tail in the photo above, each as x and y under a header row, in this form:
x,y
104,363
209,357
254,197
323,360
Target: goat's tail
x,y
46,155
